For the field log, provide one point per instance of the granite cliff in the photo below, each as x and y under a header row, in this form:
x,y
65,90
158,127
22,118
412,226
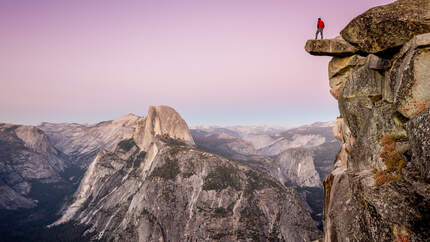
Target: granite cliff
x,y
41,166
157,186
26,158
379,187
35,177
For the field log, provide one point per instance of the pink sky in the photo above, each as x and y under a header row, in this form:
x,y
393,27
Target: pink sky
x,y
216,62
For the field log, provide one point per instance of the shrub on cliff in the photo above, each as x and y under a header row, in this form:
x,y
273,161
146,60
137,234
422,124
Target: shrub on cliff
x,y
393,159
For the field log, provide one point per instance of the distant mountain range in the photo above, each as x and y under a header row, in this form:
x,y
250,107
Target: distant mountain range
x,y
300,156
242,130
270,142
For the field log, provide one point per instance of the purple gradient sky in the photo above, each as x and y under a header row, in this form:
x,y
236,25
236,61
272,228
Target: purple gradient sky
x,y
216,62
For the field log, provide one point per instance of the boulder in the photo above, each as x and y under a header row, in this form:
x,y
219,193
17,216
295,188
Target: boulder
x,y
330,47
389,26
409,78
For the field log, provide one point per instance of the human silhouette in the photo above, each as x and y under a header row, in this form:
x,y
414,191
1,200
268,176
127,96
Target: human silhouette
x,y
320,28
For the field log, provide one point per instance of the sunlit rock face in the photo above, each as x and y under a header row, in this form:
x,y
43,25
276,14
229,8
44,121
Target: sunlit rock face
x,y
378,189
168,190
161,121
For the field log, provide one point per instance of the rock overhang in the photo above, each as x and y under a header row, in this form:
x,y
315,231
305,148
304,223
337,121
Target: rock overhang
x,y
383,90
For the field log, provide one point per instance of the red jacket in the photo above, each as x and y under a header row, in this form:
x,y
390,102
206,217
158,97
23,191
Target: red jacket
x,y
320,24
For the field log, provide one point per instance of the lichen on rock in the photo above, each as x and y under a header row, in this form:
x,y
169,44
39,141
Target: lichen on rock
x,y
378,189
331,47
389,26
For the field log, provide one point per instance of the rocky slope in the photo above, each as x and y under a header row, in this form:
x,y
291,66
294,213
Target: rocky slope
x,y
82,142
263,150
36,177
166,189
34,180
26,157
300,157
379,188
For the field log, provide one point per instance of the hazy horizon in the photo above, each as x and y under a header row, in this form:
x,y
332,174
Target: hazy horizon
x,y
196,126
217,63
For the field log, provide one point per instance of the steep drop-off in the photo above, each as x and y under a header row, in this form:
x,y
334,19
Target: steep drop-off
x,y
26,158
34,179
379,187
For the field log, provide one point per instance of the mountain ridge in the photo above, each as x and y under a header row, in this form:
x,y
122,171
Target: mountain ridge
x,y
82,141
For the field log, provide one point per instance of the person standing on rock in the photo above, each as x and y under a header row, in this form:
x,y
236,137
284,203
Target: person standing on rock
x,y
320,28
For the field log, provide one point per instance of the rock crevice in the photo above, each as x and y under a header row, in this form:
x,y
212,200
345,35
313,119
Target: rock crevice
x,y
379,189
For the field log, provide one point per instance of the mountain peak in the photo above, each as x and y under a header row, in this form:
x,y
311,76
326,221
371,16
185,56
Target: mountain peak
x,y
161,121
128,118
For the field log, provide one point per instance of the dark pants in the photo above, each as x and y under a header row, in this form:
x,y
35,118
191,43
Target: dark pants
x,y
319,31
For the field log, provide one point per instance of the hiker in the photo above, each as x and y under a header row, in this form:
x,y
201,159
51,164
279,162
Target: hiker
x,y
320,28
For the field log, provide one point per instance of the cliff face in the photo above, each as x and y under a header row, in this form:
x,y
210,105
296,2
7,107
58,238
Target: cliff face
x,y
26,158
161,121
296,165
162,188
379,187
